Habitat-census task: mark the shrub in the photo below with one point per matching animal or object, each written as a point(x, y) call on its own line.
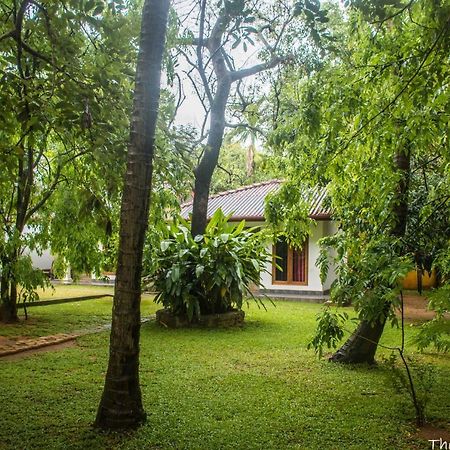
point(210, 273)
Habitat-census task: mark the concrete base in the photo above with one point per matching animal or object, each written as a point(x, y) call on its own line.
point(224, 320)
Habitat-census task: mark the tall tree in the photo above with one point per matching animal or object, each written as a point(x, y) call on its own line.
point(362, 344)
point(234, 24)
point(53, 59)
point(372, 119)
point(121, 404)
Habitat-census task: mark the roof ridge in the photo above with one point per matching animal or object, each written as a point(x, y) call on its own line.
point(239, 189)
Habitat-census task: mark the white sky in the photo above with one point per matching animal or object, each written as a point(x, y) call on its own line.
point(191, 111)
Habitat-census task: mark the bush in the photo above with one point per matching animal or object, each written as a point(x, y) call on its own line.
point(211, 273)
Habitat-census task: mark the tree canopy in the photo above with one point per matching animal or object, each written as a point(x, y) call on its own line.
point(66, 71)
point(381, 92)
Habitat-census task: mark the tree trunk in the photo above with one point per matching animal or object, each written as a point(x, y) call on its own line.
point(250, 161)
point(8, 293)
point(121, 404)
point(225, 77)
point(362, 345)
point(8, 306)
point(208, 163)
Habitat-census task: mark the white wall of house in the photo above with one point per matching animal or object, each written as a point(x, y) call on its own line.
point(320, 229)
point(330, 227)
point(43, 261)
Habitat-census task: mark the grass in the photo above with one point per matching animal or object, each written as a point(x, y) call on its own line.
point(251, 388)
point(68, 317)
point(73, 290)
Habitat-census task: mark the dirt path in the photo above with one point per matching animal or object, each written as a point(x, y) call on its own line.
point(34, 351)
point(415, 307)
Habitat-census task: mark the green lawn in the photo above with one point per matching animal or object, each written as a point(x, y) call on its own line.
point(251, 388)
point(73, 290)
point(69, 317)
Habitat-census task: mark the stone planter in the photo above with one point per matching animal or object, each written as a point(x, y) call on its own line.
point(224, 320)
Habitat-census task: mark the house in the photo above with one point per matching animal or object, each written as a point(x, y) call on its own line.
point(299, 277)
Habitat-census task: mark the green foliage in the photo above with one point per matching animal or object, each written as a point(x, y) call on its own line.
point(28, 279)
point(66, 77)
point(329, 331)
point(210, 273)
point(436, 332)
point(369, 271)
point(315, 18)
point(239, 166)
point(382, 92)
point(287, 212)
point(67, 96)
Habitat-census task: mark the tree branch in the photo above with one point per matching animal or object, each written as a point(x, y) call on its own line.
point(244, 73)
point(46, 195)
point(9, 34)
point(246, 126)
point(200, 45)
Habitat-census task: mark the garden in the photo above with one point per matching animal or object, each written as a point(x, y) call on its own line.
point(251, 387)
point(173, 172)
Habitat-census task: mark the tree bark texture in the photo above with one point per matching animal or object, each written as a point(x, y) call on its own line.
point(218, 102)
point(205, 169)
point(8, 295)
point(362, 345)
point(121, 404)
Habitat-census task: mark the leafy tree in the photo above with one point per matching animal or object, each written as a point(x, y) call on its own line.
point(121, 403)
point(223, 28)
point(64, 86)
point(239, 166)
point(374, 130)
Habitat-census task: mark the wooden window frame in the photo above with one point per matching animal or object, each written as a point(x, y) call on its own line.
point(290, 266)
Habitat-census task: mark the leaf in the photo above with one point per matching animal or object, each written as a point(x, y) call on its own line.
point(175, 273)
point(89, 5)
point(98, 10)
point(199, 270)
point(236, 43)
point(164, 245)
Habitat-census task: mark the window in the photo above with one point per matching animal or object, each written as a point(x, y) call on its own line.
point(292, 264)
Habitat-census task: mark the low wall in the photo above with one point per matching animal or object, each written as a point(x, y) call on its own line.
point(224, 320)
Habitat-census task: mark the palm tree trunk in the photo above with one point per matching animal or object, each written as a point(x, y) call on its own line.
point(362, 345)
point(121, 404)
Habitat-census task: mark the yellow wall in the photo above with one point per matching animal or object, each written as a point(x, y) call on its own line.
point(410, 281)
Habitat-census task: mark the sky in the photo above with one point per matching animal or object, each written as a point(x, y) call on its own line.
point(191, 111)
